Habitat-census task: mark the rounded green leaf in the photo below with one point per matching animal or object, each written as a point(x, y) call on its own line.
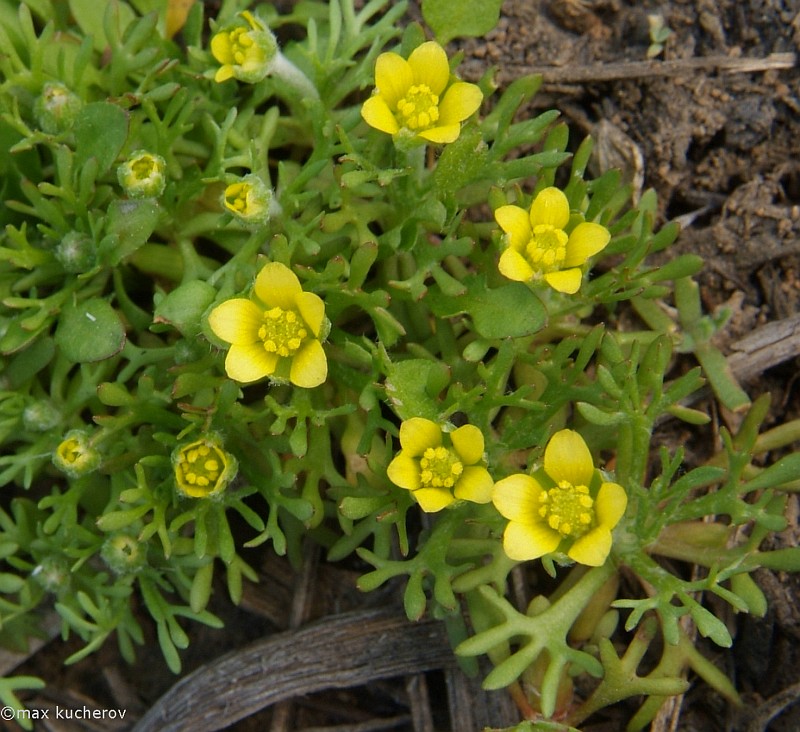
point(450, 19)
point(101, 129)
point(183, 308)
point(510, 311)
point(89, 331)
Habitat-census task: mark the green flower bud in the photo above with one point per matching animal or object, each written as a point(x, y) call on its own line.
point(41, 416)
point(143, 175)
point(76, 253)
point(123, 554)
point(75, 456)
point(56, 108)
point(51, 574)
point(202, 468)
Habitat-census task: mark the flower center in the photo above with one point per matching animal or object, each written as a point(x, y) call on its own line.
point(419, 108)
point(282, 331)
point(144, 167)
point(241, 43)
point(439, 468)
point(200, 464)
point(568, 509)
point(236, 197)
point(547, 248)
point(70, 451)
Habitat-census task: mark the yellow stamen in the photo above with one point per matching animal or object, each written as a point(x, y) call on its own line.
point(567, 509)
point(419, 109)
point(282, 331)
point(439, 468)
point(547, 248)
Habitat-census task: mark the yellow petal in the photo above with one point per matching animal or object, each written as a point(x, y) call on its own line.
point(432, 500)
point(441, 135)
point(404, 471)
point(610, 504)
point(529, 541)
point(248, 363)
point(376, 113)
point(514, 266)
point(475, 484)
point(592, 548)
point(586, 240)
point(221, 48)
point(309, 365)
point(566, 457)
point(515, 221)
point(312, 310)
point(517, 498)
point(236, 321)
point(550, 207)
point(177, 13)
point(277, 285)
point(393, 78)
point(567, 281)
point(418, 434)
point(428, 63)
point(460, 101)
point(223, 73)
point(468, 442)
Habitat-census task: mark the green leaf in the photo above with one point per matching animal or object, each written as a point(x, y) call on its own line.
point(450, 19)
point(89, 331)
point(358, 507)
point(183, 308)
point(91, 19)
point(407, 388)
point(783, 471)
point(100, 129)
point(200, 592)
point(10, 583)
point(461, 162)
point(508, 311)
point(597, 416)
point(131, 222)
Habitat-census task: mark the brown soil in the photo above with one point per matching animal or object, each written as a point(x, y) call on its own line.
point(712, 125)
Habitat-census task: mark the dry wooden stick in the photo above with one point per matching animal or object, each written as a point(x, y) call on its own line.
point(766, 346)
point(615, 71)
point(338, 652)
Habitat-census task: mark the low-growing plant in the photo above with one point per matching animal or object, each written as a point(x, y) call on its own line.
point(291, 273)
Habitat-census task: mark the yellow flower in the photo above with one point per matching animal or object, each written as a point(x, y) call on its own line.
point(415, 100)
point(75, 455)
point(539, 248)
point(203, 468)
point(561, 509)
point(246, 55)
point(276, 332)
point(143, 175)
point(249, 199)
point(440, 468)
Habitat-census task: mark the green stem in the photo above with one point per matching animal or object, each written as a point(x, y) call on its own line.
point(285, 70)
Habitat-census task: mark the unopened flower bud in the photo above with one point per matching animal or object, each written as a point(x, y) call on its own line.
point(123, 553)
point(76, 253)
point(143, 175)
point(56, 108)
point(40, 416)
point(51, 574)
point(203, 468)
point(75, 456)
